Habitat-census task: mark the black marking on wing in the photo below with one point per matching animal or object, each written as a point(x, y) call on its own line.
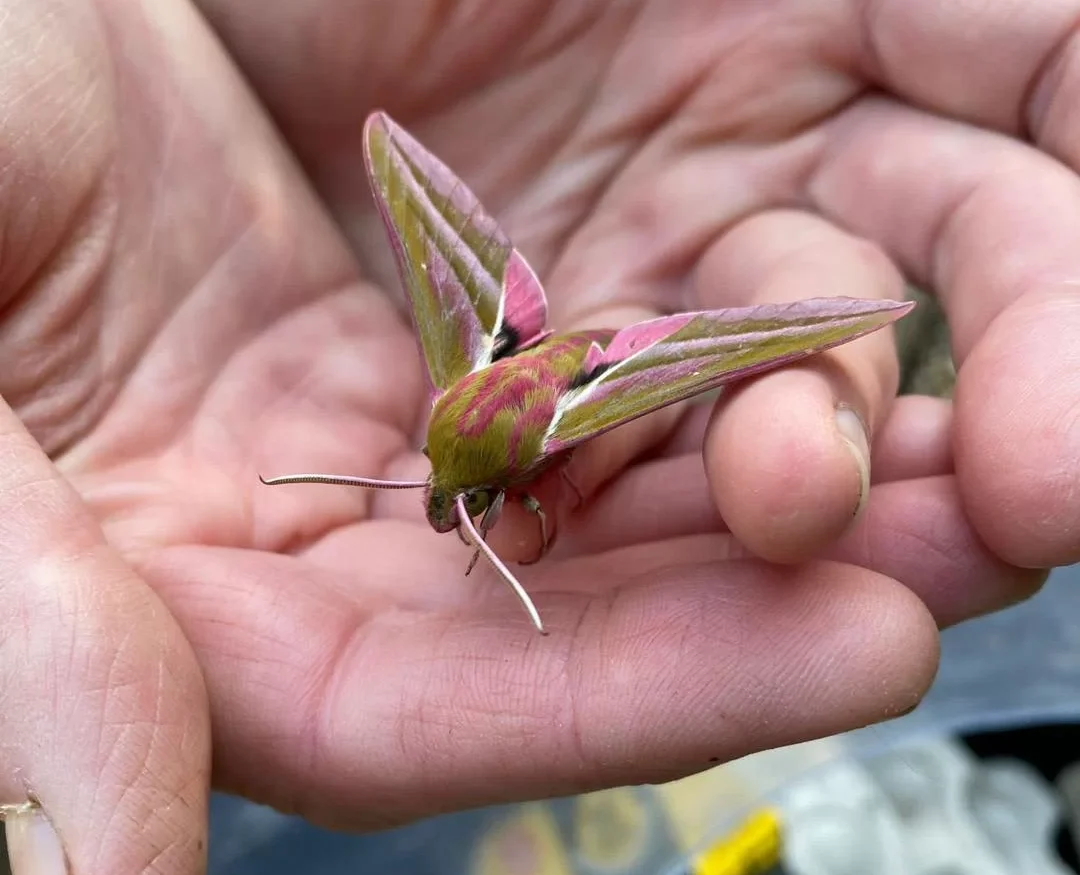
point(583, 378)
point(507, 342)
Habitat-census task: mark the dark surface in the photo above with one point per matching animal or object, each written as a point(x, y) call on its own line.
point(1049, 749)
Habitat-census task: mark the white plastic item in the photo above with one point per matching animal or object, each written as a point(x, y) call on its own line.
point(839, 822)
point(1068, 784)
point(927, 810)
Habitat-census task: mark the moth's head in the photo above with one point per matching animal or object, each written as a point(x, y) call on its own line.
point(442, 511)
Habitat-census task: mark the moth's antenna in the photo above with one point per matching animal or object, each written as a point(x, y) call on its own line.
point(344, 480)
point(504, 572)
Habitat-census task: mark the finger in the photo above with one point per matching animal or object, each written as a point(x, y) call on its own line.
point(105, 722)
point(915, 441)
point(991, 225)
point(918, 532)
point(1018, 436)
point(689, 436)
point(664, 497)
point(980, 62)
point(788, 453)
point(915, 531)
point(652, 501)
point(524, 535)
point(667, 497)
point(367, 721)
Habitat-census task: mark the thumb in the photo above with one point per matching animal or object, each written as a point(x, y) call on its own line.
point(104, 730)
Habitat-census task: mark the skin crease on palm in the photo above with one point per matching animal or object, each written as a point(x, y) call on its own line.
point(195, 291)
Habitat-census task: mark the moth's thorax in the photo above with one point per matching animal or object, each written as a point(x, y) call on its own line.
point(488, 429)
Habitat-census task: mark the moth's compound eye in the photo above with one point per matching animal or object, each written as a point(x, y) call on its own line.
point(476, 503)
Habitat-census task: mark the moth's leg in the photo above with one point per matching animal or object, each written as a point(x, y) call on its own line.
point(487, 523)
point(472, 562)
point(569, 482)
point(533, 506)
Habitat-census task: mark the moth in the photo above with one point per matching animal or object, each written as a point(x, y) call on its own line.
point(509, 399)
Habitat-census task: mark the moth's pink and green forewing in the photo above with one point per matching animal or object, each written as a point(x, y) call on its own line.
point(673, 358)
point(471, 294)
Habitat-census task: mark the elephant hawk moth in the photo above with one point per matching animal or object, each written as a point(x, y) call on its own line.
point(510, 400)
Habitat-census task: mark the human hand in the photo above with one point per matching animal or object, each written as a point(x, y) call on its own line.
point(183, 315)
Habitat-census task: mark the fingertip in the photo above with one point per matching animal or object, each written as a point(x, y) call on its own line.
point(846, 648)
point(1017, 433)
point(918, 532)
point(525, 535)
point(903, 646)
point(788, 467)
point(915, 441)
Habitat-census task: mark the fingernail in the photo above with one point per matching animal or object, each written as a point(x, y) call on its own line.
point(33, 846)
point(853, 433)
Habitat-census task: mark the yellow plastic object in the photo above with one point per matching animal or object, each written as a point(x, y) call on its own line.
point(752, 848)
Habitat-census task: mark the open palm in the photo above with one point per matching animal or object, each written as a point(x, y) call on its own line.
point(196, 294)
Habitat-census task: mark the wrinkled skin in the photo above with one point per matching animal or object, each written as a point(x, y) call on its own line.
point(195, 291)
